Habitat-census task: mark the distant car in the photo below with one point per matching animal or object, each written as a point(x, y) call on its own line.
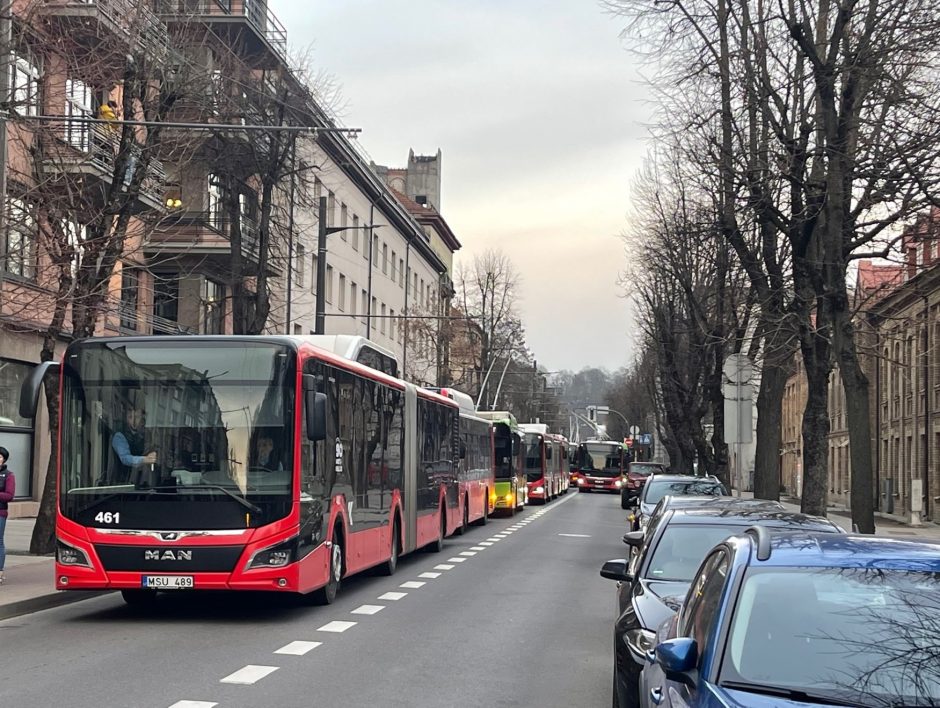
point(637, 475)
point(658, 486)
point(791, 619)
point(654, 582)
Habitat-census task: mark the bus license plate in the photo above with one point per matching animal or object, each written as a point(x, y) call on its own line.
point(167, 582)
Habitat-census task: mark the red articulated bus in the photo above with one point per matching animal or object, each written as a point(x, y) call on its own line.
point(243, 463)
point(546, 477)
point(476, 478)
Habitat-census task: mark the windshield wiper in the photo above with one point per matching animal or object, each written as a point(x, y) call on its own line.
point(241, 500)
point(796, 694)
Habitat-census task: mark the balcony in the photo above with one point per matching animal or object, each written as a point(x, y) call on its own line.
point(266, 35)
point(84, 155)
point(205, 235)
point(98, 25)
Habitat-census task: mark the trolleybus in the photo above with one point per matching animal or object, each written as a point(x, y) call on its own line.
point(602, 466)
point(511, 491)
point(242, 463)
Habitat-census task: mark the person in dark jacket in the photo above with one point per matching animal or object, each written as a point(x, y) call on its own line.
point(7, 492)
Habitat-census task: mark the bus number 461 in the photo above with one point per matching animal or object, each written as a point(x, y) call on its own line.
point(108, 517)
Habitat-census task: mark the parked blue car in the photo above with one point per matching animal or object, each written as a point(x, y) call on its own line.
point(800, 619)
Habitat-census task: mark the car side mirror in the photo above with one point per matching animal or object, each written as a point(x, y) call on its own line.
point(616, 570)
point(633, 538)
point(678, 659)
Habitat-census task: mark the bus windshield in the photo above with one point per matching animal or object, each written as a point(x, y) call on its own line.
point(180, 437)
point(602, 459)
point(533, 457)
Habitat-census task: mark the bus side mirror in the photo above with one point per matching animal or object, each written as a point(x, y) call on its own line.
point(29, 391)
point(314, 410)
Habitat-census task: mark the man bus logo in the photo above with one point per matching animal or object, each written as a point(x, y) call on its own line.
point(168, 555)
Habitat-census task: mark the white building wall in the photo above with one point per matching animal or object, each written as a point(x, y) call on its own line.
point(348, 268)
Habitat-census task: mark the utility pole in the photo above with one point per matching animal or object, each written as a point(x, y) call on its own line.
point(290, 231)
point(6, 61)
point(321, 268)
point(369, 287)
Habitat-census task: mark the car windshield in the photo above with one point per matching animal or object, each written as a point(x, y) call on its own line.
point(600, 459)
point(681, 549)
point(867, 636)
point(639, 468)
point(159, 436)
point(655, 490)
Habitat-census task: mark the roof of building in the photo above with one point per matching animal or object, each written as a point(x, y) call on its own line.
point(427, 214)
point(876, 277)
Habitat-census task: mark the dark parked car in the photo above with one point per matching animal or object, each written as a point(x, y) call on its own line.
point(637, 475)
point(677, 485)
point(794, 619)
point(654, 582)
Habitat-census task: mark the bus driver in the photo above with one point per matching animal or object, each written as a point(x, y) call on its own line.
point(129, 448)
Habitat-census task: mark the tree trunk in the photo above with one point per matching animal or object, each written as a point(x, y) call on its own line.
point(43, 538)
point(858, 417)
point(816, 362)
point(778, 352)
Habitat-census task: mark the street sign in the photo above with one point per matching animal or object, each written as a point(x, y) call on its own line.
point(739, 412)
point(738, 369)
point(634, 430)
point(646, 439)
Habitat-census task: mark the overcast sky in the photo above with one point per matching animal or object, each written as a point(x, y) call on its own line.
point(537, 110)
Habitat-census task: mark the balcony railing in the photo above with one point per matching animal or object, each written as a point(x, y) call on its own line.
point(132, 18)
point(218, 223)
point(256, 12)
point(93, 147)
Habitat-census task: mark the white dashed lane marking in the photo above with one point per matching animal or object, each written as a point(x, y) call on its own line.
point(336, 626)
point(194, 704)
point(368, 609)
point(455, 559)
point(297, 648)
point(486, 543)
point(477, 548)
point(393, 596)
point(412, 584)
point(250, 674)
point(575, 535)
point(429, 575)
point(468, 553)
point(443, 566)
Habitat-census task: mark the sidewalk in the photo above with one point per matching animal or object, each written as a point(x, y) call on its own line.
point(29, 581)
point(883, 527)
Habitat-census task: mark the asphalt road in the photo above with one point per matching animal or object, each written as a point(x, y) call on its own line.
point(521, 619)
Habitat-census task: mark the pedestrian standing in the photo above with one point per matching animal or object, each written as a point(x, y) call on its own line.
point(7, 491)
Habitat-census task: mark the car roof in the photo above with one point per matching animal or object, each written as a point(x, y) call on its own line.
point(672, 501)
point(672, 477)
point(737, 515)
point(791, 548)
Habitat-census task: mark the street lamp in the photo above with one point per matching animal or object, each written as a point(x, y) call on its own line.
point(322, 232)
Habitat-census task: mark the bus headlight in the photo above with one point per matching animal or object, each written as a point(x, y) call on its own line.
point(539, 490)
point(276, 556)
point(68, 554)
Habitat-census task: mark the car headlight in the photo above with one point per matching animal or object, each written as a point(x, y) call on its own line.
point(68, 554)
point(618, 483)
point(640, 641)
point(580, 480)
point(276, 556)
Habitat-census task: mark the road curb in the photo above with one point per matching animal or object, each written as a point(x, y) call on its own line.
point(47, 602)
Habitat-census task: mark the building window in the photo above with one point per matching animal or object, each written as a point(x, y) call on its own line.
point(355, 232)
point(301, 262)
point(401, 272)
point(343, 220)
point(374, 309)
point(365, 305)
point(317, 191)
point(24, 84)
point(20, 242)
point(130, 288)
point(298, 329)
point(314, 263)
point(342, 293)
point(213, 301)
point(385, 258)
point(382, 321)
point(375, 251)
point(420, 293)
point(330, 209)
point(394, 257)
point(166, 295)
point(214, 191)
point(392, 324)
point(353, 291)
point(78, 104)
point(329, 283)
